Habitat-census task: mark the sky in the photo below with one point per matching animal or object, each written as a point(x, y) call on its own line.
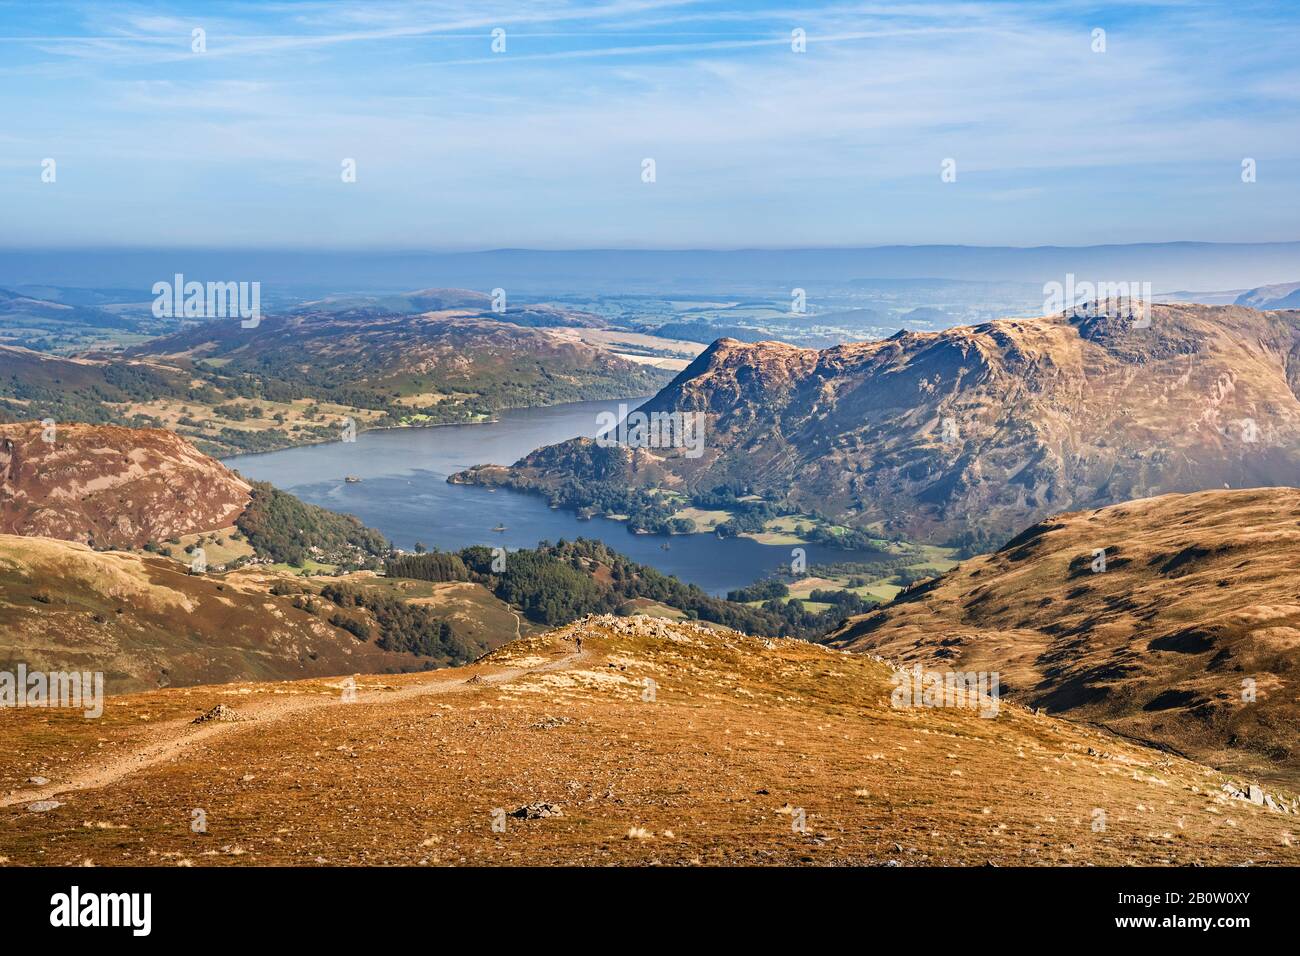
point(1050, 132)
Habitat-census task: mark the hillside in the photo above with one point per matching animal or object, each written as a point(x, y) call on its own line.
point(964, 436)
point(1197, 598)
point(397, 354)
point(655, 743)
point(146, 622)
point(301, 378)
point(556, 584)
point(111, 486)
point(405, 369)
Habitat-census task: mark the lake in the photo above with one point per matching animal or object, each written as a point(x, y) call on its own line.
point(404, 494)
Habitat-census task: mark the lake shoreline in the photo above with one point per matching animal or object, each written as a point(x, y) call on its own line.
point(405, 495)
point(494, 420)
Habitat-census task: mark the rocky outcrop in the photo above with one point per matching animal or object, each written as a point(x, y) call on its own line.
point(110, 486)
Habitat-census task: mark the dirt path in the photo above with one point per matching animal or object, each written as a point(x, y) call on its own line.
point(174, 738)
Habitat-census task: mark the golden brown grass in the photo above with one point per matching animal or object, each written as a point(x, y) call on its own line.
point(741, 735)
point(1196, 608)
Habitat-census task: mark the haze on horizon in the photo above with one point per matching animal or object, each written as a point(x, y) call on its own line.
point(542, 146)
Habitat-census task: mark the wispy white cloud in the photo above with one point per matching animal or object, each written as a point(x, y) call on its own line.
point(544, 143)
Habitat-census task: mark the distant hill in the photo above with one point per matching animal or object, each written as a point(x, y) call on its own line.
point(315, 273)
point(704, 332)
point(16, 307)
point(300, 378)
point(848, 318)
point(466, 302)
point(63, 325)
point(373, 360)
point(1284, 296)
point(927, 315)
point(1187, 634)
point(75, 295)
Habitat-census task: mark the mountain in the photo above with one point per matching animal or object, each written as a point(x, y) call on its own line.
point(1284, 296)
point(1193, 609)
point(395, 368)
point(966, 435)
point(654, 743)
point(385, 355)
point(131, 488)
point(111, 486)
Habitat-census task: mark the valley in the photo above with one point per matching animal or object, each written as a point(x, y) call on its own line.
point(193, 537)
point(602, 437)
point(404, 493)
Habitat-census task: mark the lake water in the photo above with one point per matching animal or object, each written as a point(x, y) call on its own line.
point(404, 494)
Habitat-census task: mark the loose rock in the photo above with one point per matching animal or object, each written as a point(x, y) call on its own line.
point(222, 713)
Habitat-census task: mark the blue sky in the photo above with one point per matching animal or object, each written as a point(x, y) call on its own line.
point(458, 147)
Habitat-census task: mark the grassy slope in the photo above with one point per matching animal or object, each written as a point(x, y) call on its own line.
point(1198, 596)
point(740, 733)
point(145, 622)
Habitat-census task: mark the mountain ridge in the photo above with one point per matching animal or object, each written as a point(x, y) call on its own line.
point(965, 436)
